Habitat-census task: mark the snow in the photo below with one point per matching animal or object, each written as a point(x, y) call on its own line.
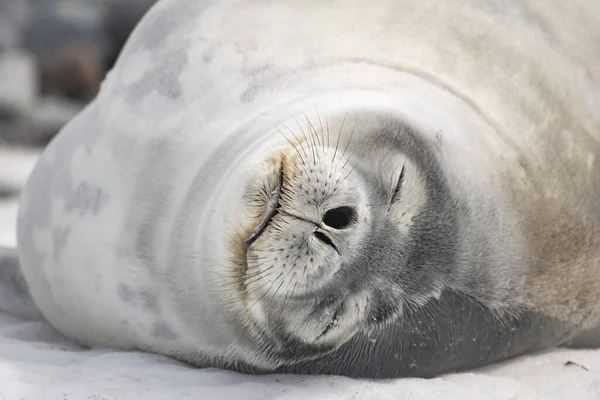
point(36, 362)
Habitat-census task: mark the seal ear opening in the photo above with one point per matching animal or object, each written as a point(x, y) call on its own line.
point(15, 298)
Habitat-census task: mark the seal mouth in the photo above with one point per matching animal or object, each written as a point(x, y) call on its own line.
point(270, 212)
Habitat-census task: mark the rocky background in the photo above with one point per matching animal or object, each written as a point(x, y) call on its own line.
point(53, 56)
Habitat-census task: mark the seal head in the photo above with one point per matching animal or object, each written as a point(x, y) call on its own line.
point(345, 231)
point(318, 270)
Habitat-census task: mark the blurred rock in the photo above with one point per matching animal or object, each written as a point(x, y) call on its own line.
point(54, 55)
point(49, 30)
point(120, 18)
point(18, 83)
point(70, 53)
point(75, 71)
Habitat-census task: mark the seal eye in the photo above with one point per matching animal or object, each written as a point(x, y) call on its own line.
point(398, 187)
point(339, 218)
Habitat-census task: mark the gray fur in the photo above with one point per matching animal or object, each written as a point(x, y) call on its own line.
point(162, 331)
point(125, 293)
point(87, 199)
point(167, 73)
point(14, 293)
point(143, 298)
point(449, 334)
point(407, 328)
point(138, 210)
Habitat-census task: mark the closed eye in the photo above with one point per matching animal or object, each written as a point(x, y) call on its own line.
point(398, 188)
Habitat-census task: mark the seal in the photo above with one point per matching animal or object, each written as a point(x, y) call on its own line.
point(328, 187)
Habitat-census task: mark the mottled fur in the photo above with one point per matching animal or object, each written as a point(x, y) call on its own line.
point(133, 228)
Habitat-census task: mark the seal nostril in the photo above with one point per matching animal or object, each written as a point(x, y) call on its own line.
point(339, 218)
point(325, 239)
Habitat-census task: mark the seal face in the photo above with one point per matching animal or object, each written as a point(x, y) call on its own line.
point(317, 267)
point(355, 253)
point(289, 194)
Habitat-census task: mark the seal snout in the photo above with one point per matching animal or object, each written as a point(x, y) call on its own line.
point(311, 216)
point(339, 218)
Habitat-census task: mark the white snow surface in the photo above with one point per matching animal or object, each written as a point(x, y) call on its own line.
point(36, 362)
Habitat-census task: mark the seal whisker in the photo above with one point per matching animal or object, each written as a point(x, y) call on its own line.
point(348, 143)
point(327, 128)
point(229, 284)
point(348, 174)
point(294, 288)
point(285, 299)
point(321, 127)
point(256, 290)
point(255, 257)
point(278, 287)
point(314, 131)
point(290, 294)
point(305, 278)
point(255, 277)
point(263, 295)
point(310, 134)
point(292, 144)
point(247, 279)
point(300, 142)
point(256, 280)
point(340, 135)
point(312, 148)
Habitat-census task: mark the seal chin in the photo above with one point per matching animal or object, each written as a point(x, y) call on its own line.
point(316, 322)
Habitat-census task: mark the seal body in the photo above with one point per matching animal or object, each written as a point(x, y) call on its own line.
point(391, 189)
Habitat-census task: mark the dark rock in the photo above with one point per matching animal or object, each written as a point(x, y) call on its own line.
point(120, 18)
point(74, 71)
point(51, 28)
point(69, 51)
point(68, 45)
